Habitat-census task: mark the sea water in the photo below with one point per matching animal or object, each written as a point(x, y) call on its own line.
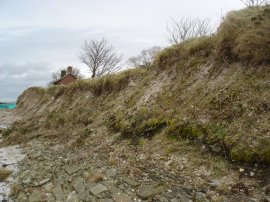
point(7, 106)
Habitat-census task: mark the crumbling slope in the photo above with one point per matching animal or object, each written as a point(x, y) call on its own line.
point(212, 90)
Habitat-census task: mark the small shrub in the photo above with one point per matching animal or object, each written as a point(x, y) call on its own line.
point(139, 125)
point(98, 178)
point(15, 190)
point(245, 35)
point(7, 132)
point(185, 129)
point(4, 174)
point(141, 142)
point(200, 46)
point(171, 149)
point(216, 132)
point(260, 151)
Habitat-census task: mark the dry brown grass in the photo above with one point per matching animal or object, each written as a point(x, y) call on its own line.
point(4, 174)
point(98, 178)
point(15, 190)
point(245, 35)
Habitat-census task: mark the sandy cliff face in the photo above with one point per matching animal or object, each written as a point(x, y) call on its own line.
point(224, 106)
point(159, 127)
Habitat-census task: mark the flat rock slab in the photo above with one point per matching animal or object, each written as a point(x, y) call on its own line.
point(98, 189)
point(58, 193)
point(73, 197)
point(72, 169)
point(48, 187)
point(79, 186)
point(121, 197)
point(184, 198)
point(35, 196)
point(43, 182)
point(111, 172)
point(131, 182)
point(105, 200)
point(147, 191)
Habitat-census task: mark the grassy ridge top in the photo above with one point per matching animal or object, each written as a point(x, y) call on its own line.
point(243, 36)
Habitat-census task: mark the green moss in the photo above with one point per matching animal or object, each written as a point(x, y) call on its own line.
point(141, 125)
point(8, 131)
point(216, 132)
point(180, 128)
point(259, 151)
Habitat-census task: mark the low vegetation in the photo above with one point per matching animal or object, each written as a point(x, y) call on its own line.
point(212, 90)
point(4, 174)
point(245, 35)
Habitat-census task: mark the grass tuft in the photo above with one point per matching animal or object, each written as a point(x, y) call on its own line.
point(245, 36)
point(4, 174)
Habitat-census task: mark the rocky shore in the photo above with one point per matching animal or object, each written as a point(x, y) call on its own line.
point(105, 168)
point(9, 157)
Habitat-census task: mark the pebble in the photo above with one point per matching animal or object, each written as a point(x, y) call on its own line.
point(241, 170)
point(130, 182)
point(111, 172)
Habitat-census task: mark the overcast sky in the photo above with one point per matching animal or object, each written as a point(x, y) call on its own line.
point(38, 37)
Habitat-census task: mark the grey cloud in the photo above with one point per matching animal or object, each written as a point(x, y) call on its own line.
point(58, 46)
point(15, 79)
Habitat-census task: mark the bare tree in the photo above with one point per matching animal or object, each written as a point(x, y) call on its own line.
point(254, 2)
point(62, 72)
point(187, 28)
point(145, 58)
point(100, 57)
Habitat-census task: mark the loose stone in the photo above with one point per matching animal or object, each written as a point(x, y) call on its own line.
point(98, 189)
point(130, 182)
point(73, 197)
point(35, 196)
point(147, 191)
